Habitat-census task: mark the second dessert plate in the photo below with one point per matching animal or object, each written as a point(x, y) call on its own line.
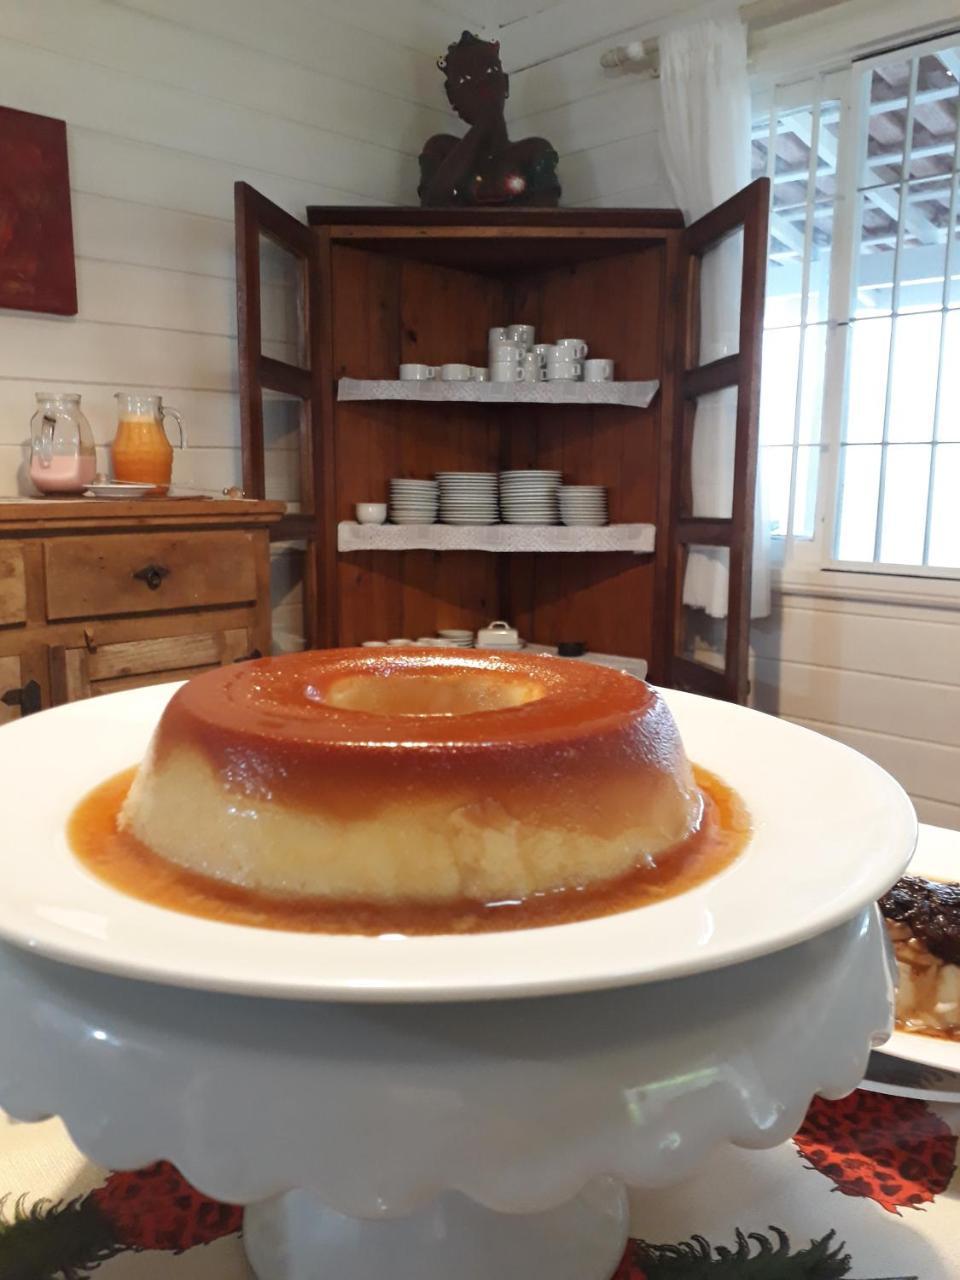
point(832, 832)
point(935, 859)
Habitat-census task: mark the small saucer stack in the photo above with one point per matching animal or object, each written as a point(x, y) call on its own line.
point(468, 497)
point(529, 497)
point(458, 636)
point(583, 504)
point(414, 501)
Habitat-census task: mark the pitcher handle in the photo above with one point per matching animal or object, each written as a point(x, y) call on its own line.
point(48, 425)
point(173, 413)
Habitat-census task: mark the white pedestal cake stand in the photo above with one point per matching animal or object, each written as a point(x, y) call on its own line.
point(485, 1141)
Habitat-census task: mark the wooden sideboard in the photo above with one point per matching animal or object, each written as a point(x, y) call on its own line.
point(101, 596)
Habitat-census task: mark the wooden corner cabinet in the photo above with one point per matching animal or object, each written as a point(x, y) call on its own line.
point(101, 596)
point(376, 287)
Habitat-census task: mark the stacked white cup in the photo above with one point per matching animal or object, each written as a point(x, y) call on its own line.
point(512, 354)
point(565, 360)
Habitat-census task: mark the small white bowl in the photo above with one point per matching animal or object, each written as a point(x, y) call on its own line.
point(399, 640)
point(371, 512)
point(373, 644)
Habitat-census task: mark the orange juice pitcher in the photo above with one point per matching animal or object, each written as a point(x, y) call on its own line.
point(141, 451)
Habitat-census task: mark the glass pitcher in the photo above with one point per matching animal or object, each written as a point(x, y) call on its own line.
point(141, 451)
point(63, 455)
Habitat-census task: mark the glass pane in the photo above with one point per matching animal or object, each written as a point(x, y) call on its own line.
point(818, 297)
point(945, 512)
point(867, 384)
point(935, 114)
point(949, 425)
point(282, 305)
point(706, 588)
point(905, 503)
point(811, 391)
point(953, 290)
point(879, 218)
point(785, 269)
point(720, 288)
point(805, 496)
point(859, 490)
point(792, 164)
point(889, 89)
point(775, 483)
point(282, 460)
point(712, 452)
point(924, 252)
point(288, 561)
point(778, 386)
point(913, 391)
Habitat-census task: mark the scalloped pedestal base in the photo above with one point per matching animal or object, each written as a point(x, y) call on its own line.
point(295, 1238)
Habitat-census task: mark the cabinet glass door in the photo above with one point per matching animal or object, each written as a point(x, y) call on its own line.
point(710, 529)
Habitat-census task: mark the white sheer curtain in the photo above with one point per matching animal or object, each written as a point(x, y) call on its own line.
point(706, 147)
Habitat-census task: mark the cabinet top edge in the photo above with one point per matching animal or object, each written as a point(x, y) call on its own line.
point(627, 219)
point(54, 515)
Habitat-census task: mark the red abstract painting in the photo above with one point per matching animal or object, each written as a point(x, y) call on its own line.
point(37, 271)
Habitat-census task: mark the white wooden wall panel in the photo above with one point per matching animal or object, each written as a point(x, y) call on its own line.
point(162, 116)
point(928, 770)
point(911, 709)
point(628, 110)
point(110, 37)
point(884, 678)
point(937, 813)
point(605, 128)
point(363, 41)
point(911, 643)
point(167, 177)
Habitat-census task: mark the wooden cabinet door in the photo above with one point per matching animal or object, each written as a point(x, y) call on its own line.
point(81, 672)
point(22, 684)
point(737, 374)
point(278, 396)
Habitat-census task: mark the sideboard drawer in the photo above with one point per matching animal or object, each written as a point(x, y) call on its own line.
point(13, 585)
point(147, 573)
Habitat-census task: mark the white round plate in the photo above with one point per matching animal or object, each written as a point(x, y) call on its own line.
point(832, 832)
point(937, 858)
point(119, 489)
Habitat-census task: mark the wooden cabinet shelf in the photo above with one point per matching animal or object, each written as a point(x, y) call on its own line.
point(637, 538)
point(634, 394)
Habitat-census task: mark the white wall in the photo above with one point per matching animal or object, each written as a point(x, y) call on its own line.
point(605, 128)
point(167, 103)
point(882, 677)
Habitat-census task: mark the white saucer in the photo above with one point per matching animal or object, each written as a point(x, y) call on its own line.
point(833, 831)
point(936, 858)
point(119, 489)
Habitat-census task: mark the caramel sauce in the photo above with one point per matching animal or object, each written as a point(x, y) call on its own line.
point(128, 865)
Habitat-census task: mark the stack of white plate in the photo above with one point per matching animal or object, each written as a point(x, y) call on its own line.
point(468, 497)
point(583, 504)
point(458, 636)
point(529, 497)
point(414, 501)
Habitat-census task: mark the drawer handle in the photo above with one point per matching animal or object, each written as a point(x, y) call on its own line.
point(249, 657)
point(27, 698)
point(152, 575)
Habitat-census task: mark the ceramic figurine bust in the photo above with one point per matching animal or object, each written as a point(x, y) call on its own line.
point(484, 167)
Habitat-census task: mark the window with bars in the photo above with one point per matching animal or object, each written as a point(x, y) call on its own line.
point(860, 408)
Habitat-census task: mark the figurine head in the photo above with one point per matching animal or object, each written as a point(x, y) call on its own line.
point(476, 82)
